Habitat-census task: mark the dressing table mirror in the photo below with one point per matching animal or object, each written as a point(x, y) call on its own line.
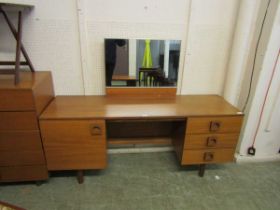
point(141, 63)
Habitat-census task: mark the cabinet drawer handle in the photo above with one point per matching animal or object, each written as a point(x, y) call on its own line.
point(215, 126)
point(208, 156)
point(95, 130)
point(211, 141)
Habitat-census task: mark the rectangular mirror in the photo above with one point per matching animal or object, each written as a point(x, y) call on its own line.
point(141, 62)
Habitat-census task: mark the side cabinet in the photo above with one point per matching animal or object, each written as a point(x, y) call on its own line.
point(210, 140)
point(21, 152)
point(74, 144)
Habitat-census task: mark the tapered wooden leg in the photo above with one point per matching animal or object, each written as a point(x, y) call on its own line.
point(80, 176)
point(18, 38)
point(201, 170)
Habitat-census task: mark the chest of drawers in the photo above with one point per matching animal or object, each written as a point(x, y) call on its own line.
point(21, 152)
point(210, 139)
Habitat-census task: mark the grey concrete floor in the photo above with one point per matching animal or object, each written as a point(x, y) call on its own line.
point(154, 181)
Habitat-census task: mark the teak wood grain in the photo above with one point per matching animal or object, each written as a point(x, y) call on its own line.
point(18, 121)
point(74, 144)
point(23, 173)
point(21, 152)
point(204, 141)
point(20, 140)
point(12, 100)
point(197, 125)
point(107, 107)
point(21, 148)
point(34, 92)
point(198, 156)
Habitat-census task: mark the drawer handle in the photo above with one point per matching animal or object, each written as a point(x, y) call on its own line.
point(95, 130)
point(215, 126)
point(211, 141)
point(208, 156)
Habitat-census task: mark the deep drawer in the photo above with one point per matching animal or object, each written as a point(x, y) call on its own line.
point(21, 148)
point(23, 173)
point(204, 141)
point(18, 121)
point(74, 144)
point(16, 100)
point(20, 140)
point(197, 125)
point(207, 156)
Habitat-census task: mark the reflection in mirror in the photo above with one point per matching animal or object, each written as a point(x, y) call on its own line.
point(141, 63)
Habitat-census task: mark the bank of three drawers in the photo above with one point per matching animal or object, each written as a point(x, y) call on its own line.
point(211, 139)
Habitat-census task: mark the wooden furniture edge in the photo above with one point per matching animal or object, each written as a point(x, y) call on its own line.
point(132, 91)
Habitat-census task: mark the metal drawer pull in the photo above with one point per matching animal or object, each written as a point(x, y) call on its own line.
point(211, 141)
point(95, 130)
point(215, 126)
point(208, 156)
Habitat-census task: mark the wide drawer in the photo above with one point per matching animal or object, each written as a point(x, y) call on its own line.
point(74, 144)
point(197, 125)
point(207, 156)
point(18, 121)
point(23, 173)
point(204, 141)
point(21, 148)
point(16, 100)
point(20, 140)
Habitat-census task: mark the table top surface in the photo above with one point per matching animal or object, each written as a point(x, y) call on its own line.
point(133, 107)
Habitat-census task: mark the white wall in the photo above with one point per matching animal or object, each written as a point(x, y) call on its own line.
point(155, 19)
point(207, 37)
point(211, 29)
point(267, 140)
point(51, 37)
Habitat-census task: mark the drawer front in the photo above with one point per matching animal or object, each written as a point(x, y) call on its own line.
point(207, 156)
point(20, 140)
point(18, 121)
point(197, 125)
point(23, 173)
point(74, 144)
point(21, 148)
point(21, 158)
point(16, 100)
point(204, 141)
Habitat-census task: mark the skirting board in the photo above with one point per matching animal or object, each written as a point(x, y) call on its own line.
point(251, 159)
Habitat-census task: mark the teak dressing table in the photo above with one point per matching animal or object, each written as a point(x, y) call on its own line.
point(76, 130)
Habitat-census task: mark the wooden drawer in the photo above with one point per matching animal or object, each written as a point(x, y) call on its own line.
point(18, 121)
point(20, 140)
point(74, 144)
point(20, 158)
point(204, 141)
point(197, 125)
point(21, 148)
point(16, 100)
point(23, 173)
point(207, 156)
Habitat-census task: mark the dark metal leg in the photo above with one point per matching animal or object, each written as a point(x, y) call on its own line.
point(201, 170)
point(80, 176)
point(19, 33)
